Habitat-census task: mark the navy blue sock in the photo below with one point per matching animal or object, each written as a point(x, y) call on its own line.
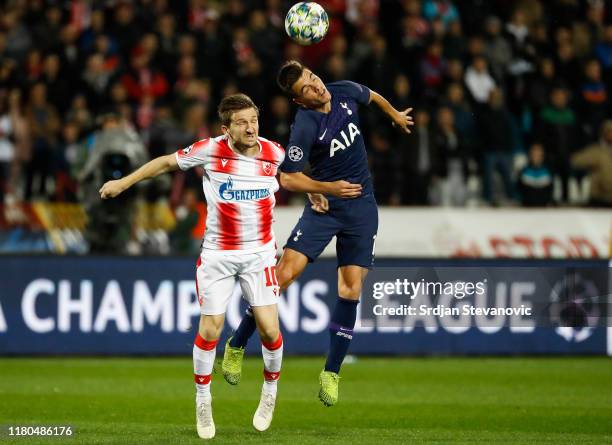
point(244, 331)
point(340, 332)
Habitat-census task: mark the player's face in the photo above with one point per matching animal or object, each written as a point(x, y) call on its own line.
point(310, 91)
point(243, 128)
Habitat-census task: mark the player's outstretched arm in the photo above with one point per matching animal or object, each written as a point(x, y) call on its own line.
point(401, 119)
point(154, 167)
point(299, 182)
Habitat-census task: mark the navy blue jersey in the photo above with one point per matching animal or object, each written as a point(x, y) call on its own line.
point(332, 142)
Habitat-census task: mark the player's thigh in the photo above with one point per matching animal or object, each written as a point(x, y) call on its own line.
point(350, 281)
point(290, 266)
point(356, 241)
point(216, 278)
point(266, 318)
point(257, 277)
point(312, 233)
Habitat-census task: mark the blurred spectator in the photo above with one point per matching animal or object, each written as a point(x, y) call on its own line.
point(384, 168)
point(464, 116)
point(523, 55)
point(517, 32)
point(7, 148)
point(58, 89)
point(96, 81)
point(568, 66)
point(168, 42)
point(18, 37)
point(417, 160)
point(64, 163)
point(454, 42)
point(20, 137)
point(541, 84)
point(265, 40)
point(47, 32)
point(450, 177)
point(497, 49)
point(535, 180)
point(142, 80)
point(378, 68)
point(440, 9)
point(479, 81)
point(603, 49)
point(44, 125)
point(71, 55)
point(94, 31)
point(277, 124)
point(495, 123)
point(125, 29)
point(432, 69)
point(597, 160)
point(454, 72)
point(187, 218)
point(593, 103)
point(557, 129)
point(33, 66)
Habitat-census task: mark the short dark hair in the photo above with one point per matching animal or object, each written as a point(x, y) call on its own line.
point(288, 74)
point(230, 104)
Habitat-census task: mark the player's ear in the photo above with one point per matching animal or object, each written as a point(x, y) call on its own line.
point(225, 130)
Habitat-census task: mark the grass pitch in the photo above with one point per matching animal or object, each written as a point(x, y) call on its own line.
point(382, 400)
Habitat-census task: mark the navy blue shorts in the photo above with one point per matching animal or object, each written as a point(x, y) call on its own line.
point(354, 223)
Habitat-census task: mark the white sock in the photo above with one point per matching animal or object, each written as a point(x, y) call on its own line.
point(204, 353)
point(273, 358)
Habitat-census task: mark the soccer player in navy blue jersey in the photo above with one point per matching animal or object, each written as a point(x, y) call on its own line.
point(326, 134)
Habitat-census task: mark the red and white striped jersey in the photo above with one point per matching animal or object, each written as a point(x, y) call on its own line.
point(239, 192)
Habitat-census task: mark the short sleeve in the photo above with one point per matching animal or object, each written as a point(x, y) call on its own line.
point(354, 90)
point(195, 154)
point(303, 134)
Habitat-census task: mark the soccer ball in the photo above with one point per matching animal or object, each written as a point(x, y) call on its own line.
point(307, 23)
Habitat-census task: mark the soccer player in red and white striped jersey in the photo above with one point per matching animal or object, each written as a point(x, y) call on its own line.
point(239, 182)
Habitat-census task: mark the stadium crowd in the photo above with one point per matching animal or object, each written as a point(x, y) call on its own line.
point(511, 98)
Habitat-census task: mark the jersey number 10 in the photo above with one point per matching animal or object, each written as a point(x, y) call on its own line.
point(270, 276)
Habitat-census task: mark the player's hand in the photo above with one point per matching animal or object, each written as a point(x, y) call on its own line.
point(403, 120)
point(344, 189)
point(319, 202)
point(111, 189)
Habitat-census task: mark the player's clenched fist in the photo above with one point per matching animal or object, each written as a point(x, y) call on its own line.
point(111, 189)
point(344, 189)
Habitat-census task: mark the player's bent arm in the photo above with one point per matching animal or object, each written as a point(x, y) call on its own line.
point(154, 167)
point(400, 118)
point(299, 182)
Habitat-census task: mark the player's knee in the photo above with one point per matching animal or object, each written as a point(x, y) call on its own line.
point(285, 276)
point(210, 329)
point(269, 334)
point(210, 333)
point(350, 291)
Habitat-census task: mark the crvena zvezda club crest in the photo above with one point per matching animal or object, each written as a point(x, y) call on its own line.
point(267, 168)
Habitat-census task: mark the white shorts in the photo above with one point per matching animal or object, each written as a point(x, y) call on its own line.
point(218, 272)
